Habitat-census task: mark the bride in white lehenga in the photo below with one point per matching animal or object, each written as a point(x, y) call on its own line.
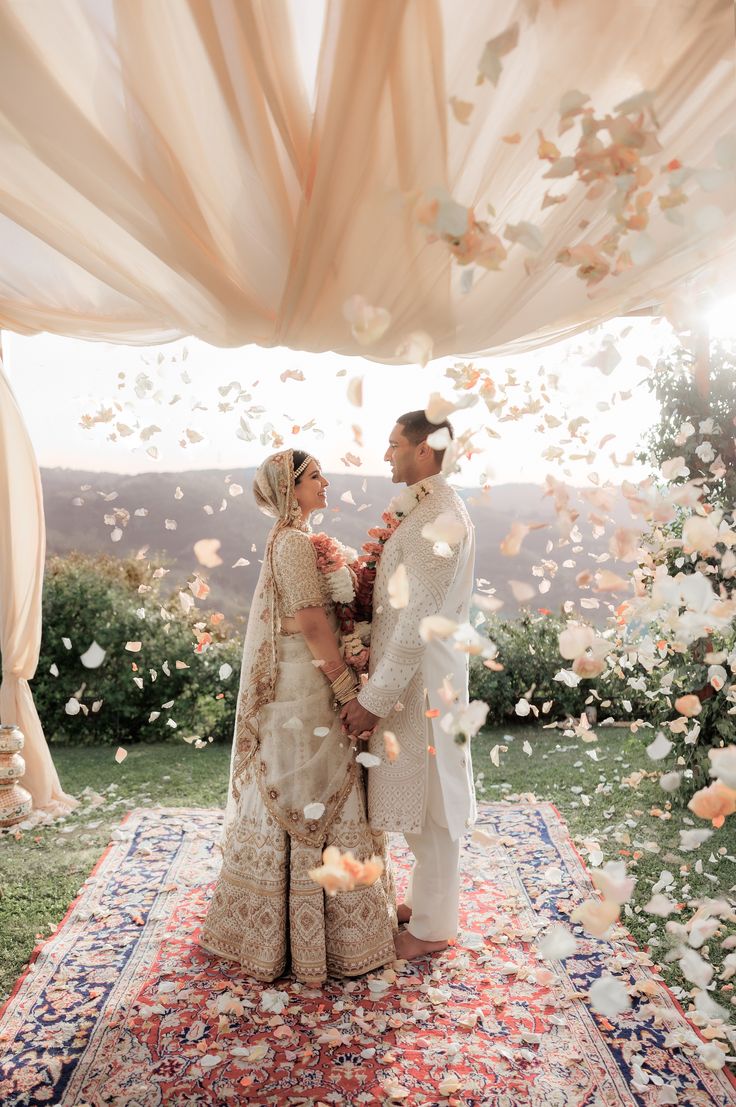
point(289, 754)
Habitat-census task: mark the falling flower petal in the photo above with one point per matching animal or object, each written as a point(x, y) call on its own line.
point(608, 996)
point(391, 745)
point(367, 323)
point(557, 944)
point(461, 109)
point(416, 348)
point(314, 811)
point(368, 760)
point(688, 705)
point(447, 527)
point(436, 626)
point(93, 657)
point(489, 66)
point(714, 803)
point(355, 392)
point(398, 588)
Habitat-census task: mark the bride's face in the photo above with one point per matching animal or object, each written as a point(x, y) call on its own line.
point(310, 489)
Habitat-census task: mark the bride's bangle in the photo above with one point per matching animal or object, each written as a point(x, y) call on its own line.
point(345, 687)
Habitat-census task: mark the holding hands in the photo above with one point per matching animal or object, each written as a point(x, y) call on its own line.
point(357, 721)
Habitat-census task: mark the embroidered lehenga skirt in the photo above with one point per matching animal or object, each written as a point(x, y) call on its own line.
point(266, 912)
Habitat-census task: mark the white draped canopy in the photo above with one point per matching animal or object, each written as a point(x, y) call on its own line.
point(238, 170)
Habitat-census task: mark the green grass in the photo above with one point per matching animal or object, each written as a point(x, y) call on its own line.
point(42, 869)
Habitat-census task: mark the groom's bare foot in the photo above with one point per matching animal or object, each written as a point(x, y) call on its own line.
point(403, 913)
point(408, 948)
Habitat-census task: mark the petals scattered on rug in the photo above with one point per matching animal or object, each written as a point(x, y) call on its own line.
point(122, 1007)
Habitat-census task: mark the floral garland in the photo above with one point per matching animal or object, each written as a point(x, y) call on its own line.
point(351, 581)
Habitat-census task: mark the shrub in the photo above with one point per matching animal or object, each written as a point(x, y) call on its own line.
point(113, 602)
point(528, 650)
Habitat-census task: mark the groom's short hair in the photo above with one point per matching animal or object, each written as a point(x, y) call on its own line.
point(417, 428)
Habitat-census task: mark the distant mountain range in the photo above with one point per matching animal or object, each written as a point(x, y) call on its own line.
point(178, 509)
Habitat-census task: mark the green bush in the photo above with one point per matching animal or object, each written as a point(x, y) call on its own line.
point(113, 602)
point(529, 651)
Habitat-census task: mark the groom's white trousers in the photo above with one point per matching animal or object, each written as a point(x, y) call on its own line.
point(433, 891)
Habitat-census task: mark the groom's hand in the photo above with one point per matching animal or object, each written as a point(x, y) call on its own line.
point(357, 720)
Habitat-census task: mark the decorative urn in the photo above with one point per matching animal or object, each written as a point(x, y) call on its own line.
point(15, 800)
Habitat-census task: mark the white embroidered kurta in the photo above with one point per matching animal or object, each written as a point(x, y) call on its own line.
point(405, 670)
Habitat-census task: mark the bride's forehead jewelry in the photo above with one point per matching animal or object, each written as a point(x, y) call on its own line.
point(302, 467)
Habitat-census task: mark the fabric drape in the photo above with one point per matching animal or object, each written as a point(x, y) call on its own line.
point(182, 167)
point(22, 549)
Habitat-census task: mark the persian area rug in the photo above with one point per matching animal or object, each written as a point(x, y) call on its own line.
point(122, 1007)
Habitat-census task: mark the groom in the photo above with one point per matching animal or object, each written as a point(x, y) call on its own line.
point(427, 791)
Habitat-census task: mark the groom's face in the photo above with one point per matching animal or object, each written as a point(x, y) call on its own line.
point(401, 456)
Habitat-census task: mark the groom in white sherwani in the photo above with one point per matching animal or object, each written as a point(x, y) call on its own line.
point(427, 791)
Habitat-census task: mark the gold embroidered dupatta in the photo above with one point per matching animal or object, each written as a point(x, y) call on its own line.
point(294, 771)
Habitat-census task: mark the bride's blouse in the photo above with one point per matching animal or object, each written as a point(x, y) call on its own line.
point(299, 583)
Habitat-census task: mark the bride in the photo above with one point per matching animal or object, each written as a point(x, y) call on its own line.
point(295, 786)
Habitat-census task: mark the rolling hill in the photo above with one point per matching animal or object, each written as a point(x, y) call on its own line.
point(162, 515)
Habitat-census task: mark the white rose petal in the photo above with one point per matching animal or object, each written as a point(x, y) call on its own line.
point(557, 944)
point(693, 839)
point(368, 760)
point(93, 657)
point(723, 765)
point(659, 748)
point(314, 811)
point(436, 626)
point(695, 969)
point(447, 527)
point(398, 588)
point(608, 996)
point(522, 707)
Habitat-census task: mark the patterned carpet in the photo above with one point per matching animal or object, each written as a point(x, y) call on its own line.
point(121, 1007)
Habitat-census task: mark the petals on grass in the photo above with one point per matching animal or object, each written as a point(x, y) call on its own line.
point(120, 754)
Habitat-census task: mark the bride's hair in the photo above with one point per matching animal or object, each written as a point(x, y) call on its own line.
point(299, 457)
